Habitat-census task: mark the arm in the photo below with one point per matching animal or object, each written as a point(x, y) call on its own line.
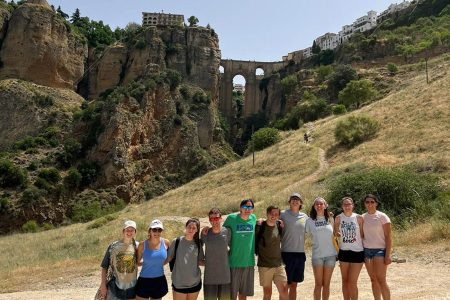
point(361, 225)
point(140, 252)
point(388, 239)
point(103, 287)
point(336, 227)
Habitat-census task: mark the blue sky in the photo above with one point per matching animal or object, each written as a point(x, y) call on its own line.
point(261, 30)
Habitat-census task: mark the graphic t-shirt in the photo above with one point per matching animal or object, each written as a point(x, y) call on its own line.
point(217, 268)
point(242, 252)
point(350, 233)
point(321, 232)
point(373, 230)
point(293, 239)
point(122, 258)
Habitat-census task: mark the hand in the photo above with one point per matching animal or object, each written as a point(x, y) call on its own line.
point(260, 221)
point(337, 234)
point(205, 230)
point(387, 260)
point(281, 223)
point(103, 291)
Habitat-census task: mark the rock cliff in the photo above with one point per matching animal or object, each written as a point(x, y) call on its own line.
point(39, 47)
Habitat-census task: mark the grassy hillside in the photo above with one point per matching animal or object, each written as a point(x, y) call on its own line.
point(414, 130)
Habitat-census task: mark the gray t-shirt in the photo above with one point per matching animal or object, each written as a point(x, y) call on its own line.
point(293, 239)
point(186, 272)
point(217, 269)
point(321, 232)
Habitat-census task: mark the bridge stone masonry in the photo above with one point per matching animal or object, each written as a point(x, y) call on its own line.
point(254, 97)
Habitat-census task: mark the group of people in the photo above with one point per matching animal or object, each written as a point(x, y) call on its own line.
point(227, 251)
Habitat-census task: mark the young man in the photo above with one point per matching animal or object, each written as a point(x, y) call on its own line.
point(293, 243)
point(217, 279)
point(242, 254)
point(270, 266)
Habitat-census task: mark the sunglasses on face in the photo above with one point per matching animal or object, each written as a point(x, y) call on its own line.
point(157, 230)
point(215, 219)
point(247, 207)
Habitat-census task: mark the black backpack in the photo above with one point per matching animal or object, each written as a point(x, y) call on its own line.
point(260, 235)
point(172, 261)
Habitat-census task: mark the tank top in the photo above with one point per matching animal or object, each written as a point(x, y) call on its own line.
point(153, 261)
point(350, 234)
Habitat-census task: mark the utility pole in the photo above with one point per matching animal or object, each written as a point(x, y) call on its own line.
point(426, 68)
point(253, 145)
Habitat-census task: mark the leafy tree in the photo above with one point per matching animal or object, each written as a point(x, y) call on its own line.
point(340, 77)
point(73, 179)
point(288, 84)
point(326, 57)
point(11, 175)
point(264, 138)
point(357, 92)
point(315, 49)
point(193, 21)
point(61, 13)
point(75, 18)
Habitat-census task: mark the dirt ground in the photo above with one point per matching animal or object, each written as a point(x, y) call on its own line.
point(425, 275)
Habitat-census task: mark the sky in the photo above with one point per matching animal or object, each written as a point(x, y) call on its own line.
point(260, 30)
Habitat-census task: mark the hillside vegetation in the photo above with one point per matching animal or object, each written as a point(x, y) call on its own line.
point(414, 126)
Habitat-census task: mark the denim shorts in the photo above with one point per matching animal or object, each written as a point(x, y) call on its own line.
point(328, 262)
point(371, 253)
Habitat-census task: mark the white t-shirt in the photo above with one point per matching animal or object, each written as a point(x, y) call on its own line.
point(350, 233)
point(321, 232)
point(373, 230)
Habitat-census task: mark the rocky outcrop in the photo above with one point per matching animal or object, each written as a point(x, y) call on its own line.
point(29, 108)
point(38, 47)
point(4, 19)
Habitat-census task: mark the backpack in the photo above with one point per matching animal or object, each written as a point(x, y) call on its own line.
point(260, 235)
point(172, 261)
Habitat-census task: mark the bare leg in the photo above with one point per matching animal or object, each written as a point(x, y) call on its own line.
point(267, 292)
point(179, 296)
point(292, 290)
point(242, 297)
point(192, 296)
point(380, 269)
point(353, 274)
point(282, 290)
point(318, 280)
point(327, 273)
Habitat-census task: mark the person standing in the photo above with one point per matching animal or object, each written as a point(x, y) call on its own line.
point(349, 227)
point(186, 274)
point(377, 247)
point(270, 265)
point(242, 252)
point(216, 285)
point(121, 257)
point(320, 227)
point(293, 243)
point(152, 283)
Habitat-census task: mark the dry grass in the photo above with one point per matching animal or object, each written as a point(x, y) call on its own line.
point(414, 129)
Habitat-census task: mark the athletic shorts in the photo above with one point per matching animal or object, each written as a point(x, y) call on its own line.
point(217, 291)
point(327, 262)
point(190, 290)
point(349, 256)
point(295, 266)
point(371, 253)
point(269, 275)
point(151, 287)
point(242, 281)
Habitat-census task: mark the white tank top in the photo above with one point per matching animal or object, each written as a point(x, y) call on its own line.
point(350, 234)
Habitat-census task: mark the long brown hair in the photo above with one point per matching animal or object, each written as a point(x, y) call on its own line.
point(197, 234)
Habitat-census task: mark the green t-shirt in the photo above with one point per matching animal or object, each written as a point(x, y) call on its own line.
point(242, 252)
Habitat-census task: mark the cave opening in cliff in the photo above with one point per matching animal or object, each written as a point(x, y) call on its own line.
point(239, 95)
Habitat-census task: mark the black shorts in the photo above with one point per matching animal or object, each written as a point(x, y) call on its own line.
point(295, 266)
point(351, 256)
point(152, 287)
point(190, 290)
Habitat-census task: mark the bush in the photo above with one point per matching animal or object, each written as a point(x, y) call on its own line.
point(340, 77)
point(89, 172)
point(357, 92)
point(264, 138)
point(338, 109)
point(322, 73)
point(355, 129)
point(43, 100)
point(11, 175)
point(5, 203)
point(288, 84)
point(25, 144)
point(201, 97)
point(51, 175)
point(174, 78)
point(30, 226)
point(43, 184)
point(84, 212)
point(73, 179)
point(32, 195)
point(312, 109)
point(404, 195)
point(392, 69)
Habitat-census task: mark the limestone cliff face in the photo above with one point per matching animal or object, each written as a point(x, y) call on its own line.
point(4, 18)
point(38, 47)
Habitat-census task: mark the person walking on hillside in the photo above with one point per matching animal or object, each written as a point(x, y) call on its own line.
point(306, 138)
point(121, 258)
point(349, 227)
point(320, 227)
point(293, 243)
point(187, 253)
point(242, 252)
point(152, 283)
point(217, 278)
point(267, 245)
point(377, 247)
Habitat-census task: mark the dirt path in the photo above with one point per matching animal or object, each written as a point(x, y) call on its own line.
point(414, 279)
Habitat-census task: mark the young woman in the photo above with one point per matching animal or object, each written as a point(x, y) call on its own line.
point(377, 247)
point(120, 257)
point(186, 274)
point(320, 227)
point(349, 227)
point(152, 283)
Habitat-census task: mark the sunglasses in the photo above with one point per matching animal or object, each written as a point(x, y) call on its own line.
point(157, 230)
point(247, 207)
point(369, 201)
point(215, 219)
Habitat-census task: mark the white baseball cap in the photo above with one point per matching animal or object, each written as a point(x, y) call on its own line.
point(156, 224)
point(129, 223)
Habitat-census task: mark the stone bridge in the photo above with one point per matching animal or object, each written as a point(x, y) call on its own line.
point(253, 95)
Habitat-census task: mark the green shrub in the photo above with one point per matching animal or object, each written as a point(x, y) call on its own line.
point(338, 109)
point(11, 175)
point(51, 175)
point(140, 44)
point(30, 226)
point(405, 196)
point(322, 73)
point(73, 179)
point(340, 77)
point(312, 109)
point(26, 143)
point(442, 205)
point(5, 203)
point(84, 212)
point(288, 84)
point(47, 226)
point(89, 172)
point(264, 138)
point(43, 184)
point(392, 68)
point(174, 78)
point(357, 92)
point(201, 97)
point(32, 195)
point(355, 130)
point(43, 100)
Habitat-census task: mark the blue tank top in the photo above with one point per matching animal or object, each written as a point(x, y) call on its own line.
point(153, 261)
